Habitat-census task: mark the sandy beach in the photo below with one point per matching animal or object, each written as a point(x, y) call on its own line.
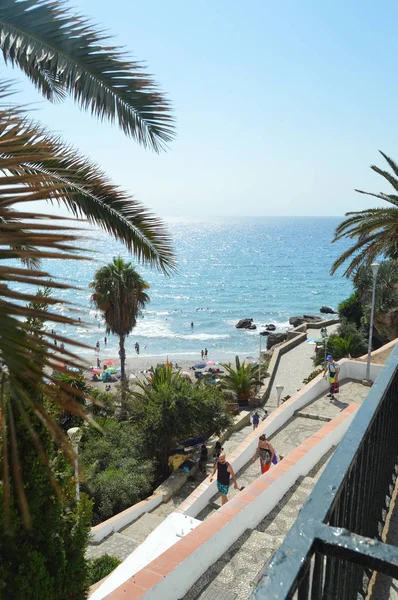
point(136, 366)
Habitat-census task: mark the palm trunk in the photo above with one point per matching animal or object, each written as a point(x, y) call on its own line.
point(122, 355)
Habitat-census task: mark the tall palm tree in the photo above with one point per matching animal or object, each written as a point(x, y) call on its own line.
point(241, 381)
point(374, 229)
point(120, 292)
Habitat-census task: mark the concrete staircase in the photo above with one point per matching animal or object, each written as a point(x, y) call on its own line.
point(237, 572)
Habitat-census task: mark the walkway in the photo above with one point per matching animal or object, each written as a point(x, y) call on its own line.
point(237, 571)
point(295, 366)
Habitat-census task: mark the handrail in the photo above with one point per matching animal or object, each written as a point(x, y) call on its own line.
point(322, 556)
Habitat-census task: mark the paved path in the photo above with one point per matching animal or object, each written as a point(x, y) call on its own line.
point(238, 569)
point(295, 366)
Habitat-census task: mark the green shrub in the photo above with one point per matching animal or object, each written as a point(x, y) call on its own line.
point(312, 375)
point(46, 561)
point(117, 473)
point(100, 567)
point(351, 309)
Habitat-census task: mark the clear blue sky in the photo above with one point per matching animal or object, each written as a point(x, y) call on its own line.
point(280, 106)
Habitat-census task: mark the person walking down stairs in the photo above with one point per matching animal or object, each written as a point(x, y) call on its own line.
point(266, 453)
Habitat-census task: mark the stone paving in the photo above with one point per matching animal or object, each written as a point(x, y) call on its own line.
point(239, 567)
point(294, 366)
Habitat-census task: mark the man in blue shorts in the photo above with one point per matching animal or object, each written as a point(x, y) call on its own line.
point(224, 473)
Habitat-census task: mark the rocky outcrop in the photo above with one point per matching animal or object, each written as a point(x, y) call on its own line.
point(270, 327)
point(245, 324)
point(296, 321)
point(327, 310)
point(265, 332)
point(275, 338)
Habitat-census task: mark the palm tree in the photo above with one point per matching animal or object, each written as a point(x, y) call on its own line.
point(119, 291)
point(374, 229)
point(241, 381)
point(62, 54)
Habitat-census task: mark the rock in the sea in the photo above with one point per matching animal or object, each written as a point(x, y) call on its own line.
point(265, 332)
point(312, 319)
point(275, 338)
point(271, 327)
point(296, 321)
point(245, 324)
point(327, 310)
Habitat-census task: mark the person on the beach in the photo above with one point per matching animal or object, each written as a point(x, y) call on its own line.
point(203, 459)
point(224, 474)
point(266, 453)
point(191, 324)
point(97, 347)
point(255, 420)
point(202, 354)
point(105, 340)
point(332, 370)
point(62, 347)
point(206, 353)
point(98, 363)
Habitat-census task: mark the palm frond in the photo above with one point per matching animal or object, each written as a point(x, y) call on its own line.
point(29, 156)
point(64, 53)
point(375, 229)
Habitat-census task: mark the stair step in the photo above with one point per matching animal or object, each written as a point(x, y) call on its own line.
point(316, 417)
point(142, 527)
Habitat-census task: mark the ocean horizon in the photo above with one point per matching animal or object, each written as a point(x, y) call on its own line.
point(265, 268)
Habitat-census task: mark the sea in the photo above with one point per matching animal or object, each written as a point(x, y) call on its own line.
point(264, 268)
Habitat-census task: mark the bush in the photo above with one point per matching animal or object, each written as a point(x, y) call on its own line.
point(100, 567)
point(48, 560)
point(312, 375)
point(117, 473)
point(170, 408)
point(351, 309)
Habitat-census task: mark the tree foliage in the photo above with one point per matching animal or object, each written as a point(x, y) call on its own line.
point(169, 408)
point(48, 559)
point(120, 292)
point(116, 472)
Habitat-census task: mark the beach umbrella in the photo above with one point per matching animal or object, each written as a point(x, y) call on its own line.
point(95, 370)
point(60, 365)
point(111, 370)
point(73, 369)
point(109, 362)
point(200, 365)
point(186, 374)
point(210, 362)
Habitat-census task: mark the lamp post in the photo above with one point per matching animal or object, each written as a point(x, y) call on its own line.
point(259, 362)
point(324, 334)
point(279, 390)
point(75, 435)
point(375, 270)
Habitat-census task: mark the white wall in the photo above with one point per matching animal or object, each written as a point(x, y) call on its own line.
point(180, 580)
point(122, 519)
point(168, 533)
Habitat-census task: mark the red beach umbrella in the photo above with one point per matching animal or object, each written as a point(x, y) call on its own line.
point(109, 362)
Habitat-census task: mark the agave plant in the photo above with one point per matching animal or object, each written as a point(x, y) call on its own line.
point(241, 381)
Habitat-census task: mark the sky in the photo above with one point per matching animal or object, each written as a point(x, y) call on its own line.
point(280, 107)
